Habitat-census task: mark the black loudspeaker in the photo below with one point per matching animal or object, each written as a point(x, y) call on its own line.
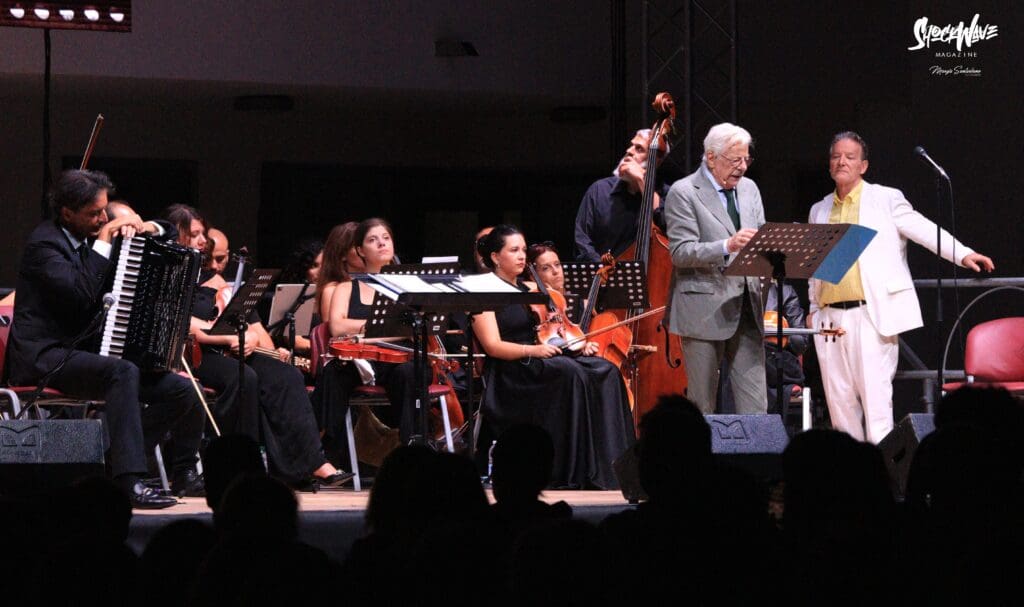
point(899, 446)
point(750, 442)
point(36, 455)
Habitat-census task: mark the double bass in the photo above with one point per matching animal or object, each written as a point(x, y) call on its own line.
point(655, 362)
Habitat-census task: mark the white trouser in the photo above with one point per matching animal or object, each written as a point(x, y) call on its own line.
point(857, 371)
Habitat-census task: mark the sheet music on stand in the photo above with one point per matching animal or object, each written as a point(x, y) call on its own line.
point(388, 318)
point(426, 301)
point(244, 301)
point(626, 287)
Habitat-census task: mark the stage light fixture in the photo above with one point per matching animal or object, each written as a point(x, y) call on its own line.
point(110, 16)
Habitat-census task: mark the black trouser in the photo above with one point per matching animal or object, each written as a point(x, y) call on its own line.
point(335, 384)
point(278, 391)
point(171, 406)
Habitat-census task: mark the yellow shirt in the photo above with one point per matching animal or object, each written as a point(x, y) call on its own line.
point(846, 210)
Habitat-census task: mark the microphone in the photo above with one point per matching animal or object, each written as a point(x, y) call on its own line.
point(108, 301)
point(935, 166)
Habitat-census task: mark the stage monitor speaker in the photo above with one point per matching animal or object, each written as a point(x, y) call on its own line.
point(38, 455)
point(627, 472)
point(750, 442)
point(899, 446)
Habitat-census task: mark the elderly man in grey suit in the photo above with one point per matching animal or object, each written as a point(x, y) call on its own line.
point(710, 216)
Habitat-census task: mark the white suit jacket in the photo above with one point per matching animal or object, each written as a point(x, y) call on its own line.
point(889, 291)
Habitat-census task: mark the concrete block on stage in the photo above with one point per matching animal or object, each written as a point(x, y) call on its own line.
point(37, 455)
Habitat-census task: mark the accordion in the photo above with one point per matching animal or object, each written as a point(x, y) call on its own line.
point(152, 288)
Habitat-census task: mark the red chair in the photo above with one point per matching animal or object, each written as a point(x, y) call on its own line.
point(14, 393)
point(368, 395)
point(994, 356)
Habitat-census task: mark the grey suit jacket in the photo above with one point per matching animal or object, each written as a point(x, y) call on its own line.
point(705, 303)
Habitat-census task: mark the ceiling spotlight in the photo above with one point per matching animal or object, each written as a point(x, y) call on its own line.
point(107, 16)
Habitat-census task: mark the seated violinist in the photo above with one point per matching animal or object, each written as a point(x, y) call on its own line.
point(274, 394)
point(339, 259)
point(347, 314)
point(545, 260)
point(580, 401)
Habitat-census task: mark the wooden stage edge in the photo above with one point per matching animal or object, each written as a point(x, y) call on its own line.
point(352, 501)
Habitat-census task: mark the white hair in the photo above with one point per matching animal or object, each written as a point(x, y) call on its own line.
point(725, 135)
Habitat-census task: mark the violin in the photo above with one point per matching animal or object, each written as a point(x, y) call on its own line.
point(441, 367)
point(348, 349)
point(771, 328)
point(554, 327)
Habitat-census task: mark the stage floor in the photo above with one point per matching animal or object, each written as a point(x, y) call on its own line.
point(333, 519)
point(347, 501)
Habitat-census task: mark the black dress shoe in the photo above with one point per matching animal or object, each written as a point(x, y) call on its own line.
point(337, 479)
point(186, 483)
point(144, 498)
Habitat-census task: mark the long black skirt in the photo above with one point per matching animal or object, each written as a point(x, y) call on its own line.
point(274, 401)
point(582, 404)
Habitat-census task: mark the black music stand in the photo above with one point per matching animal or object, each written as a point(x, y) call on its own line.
point(626, 287)
point(824, 251)
point(288, 318)
point(423, 306)
point(234, 318)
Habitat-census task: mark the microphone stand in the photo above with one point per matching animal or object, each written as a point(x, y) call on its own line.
point(44, 381)
point(940, 175)
point(938, 277)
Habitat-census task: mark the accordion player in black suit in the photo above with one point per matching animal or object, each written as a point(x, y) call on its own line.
point(60, 283)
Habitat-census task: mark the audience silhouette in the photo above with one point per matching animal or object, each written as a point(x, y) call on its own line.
point(703, 537)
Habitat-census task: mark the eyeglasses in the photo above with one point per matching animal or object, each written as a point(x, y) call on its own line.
point(736, 161)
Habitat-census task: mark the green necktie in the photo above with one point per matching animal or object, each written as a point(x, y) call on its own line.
point(734, 214)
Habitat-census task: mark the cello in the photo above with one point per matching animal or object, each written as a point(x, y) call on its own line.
point(614, 344)
point(655, 363)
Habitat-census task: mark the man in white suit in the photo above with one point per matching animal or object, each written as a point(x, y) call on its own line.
point(875, 301)
point(711, 215)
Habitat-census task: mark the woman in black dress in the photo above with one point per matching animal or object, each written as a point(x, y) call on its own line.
point(581, 401)
point(272, 387)
point(347, 314)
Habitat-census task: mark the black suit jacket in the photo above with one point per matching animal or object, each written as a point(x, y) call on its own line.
point(58, 295)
